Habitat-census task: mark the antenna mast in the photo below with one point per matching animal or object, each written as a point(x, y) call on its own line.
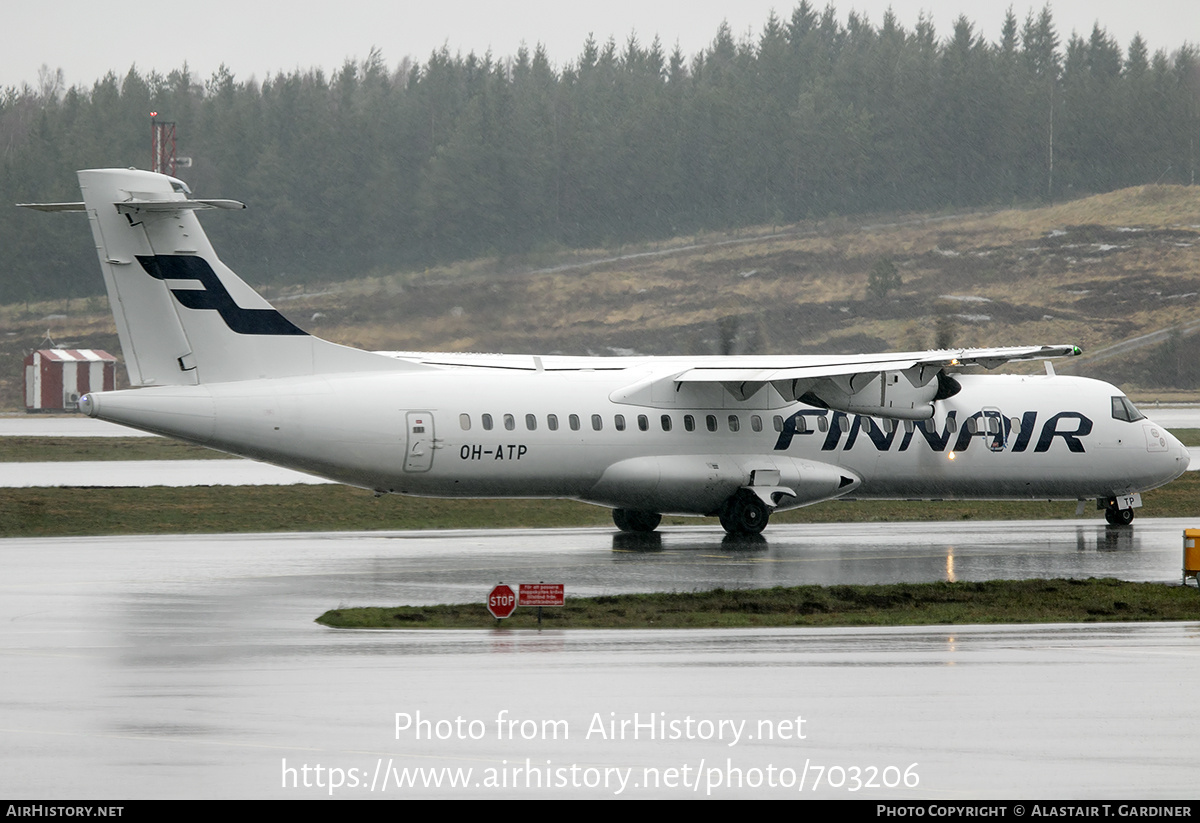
point(162, 145)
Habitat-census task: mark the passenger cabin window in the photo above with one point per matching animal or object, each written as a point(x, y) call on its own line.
point(755, 423)
point(643, 423)
point(552, 422)
point(711, 422)
point(734, 423)
point(665, 420)
point(689, 423)
point(777, 422)
point(1122, 409)
point(464, 422)
point(573, 421)
point(597, 422)
point(510, 422)
point(531, 422)
point(823, 423)
point(487, 422)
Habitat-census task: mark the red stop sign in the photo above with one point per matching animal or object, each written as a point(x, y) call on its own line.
point(502, 602)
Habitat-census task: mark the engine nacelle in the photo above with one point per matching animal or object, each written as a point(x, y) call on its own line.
point(893, 394)
point(700, 484)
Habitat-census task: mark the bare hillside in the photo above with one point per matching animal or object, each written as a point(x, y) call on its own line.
point(1095, 272)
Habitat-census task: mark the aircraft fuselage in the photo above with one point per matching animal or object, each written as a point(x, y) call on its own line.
point(463, 432)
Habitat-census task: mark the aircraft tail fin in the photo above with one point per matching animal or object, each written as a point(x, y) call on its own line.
point(182, 315)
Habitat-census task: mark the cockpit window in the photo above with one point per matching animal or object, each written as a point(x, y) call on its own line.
point(1122, 409)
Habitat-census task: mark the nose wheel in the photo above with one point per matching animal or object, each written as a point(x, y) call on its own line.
point(1118, 517)
point(744, 513)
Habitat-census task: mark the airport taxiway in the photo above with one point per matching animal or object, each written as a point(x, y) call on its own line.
point(189, 666)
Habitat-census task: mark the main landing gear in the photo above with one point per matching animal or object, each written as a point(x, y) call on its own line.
point(744, 513)
point(631, 520)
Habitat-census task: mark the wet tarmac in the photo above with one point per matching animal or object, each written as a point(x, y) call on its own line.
point(190, 667)
point(144, 473)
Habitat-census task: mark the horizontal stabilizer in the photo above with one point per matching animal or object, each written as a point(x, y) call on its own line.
point(52, 206)
point(156, 206)
point(147, 206)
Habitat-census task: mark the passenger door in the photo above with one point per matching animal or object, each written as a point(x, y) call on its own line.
point(418, 455)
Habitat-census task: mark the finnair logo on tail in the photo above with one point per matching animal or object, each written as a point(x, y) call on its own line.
point(214, 296)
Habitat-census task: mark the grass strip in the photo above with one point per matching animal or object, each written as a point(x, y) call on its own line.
point(72, 449)
point(231, 509)
point(67, 511)
point(897, 604)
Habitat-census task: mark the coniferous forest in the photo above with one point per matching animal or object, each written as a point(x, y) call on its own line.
point(378, 167)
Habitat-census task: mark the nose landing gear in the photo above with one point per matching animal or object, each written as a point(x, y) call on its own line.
point(1118, 517)
point(1114, 514)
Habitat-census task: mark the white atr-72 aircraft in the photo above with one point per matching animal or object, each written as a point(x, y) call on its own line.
point(736, 437)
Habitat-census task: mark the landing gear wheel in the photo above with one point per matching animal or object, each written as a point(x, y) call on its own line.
point(1118, 517)
point(745, 513)
point(631, 520)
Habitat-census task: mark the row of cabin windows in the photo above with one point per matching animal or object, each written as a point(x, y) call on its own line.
point(990, 424)
point(666, 422)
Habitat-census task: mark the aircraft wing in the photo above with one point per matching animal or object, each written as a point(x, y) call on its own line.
point(713, 369)
point(872, 364)
point(863, 384)
point(895, 385)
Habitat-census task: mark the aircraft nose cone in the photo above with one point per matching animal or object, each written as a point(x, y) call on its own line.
point(1184, 456)
point(1180, 457)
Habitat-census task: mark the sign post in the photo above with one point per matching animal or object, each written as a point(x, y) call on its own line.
point(542, 594)
point(502, 602)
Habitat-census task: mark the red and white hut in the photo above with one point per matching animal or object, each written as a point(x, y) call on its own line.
point(55, 379)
